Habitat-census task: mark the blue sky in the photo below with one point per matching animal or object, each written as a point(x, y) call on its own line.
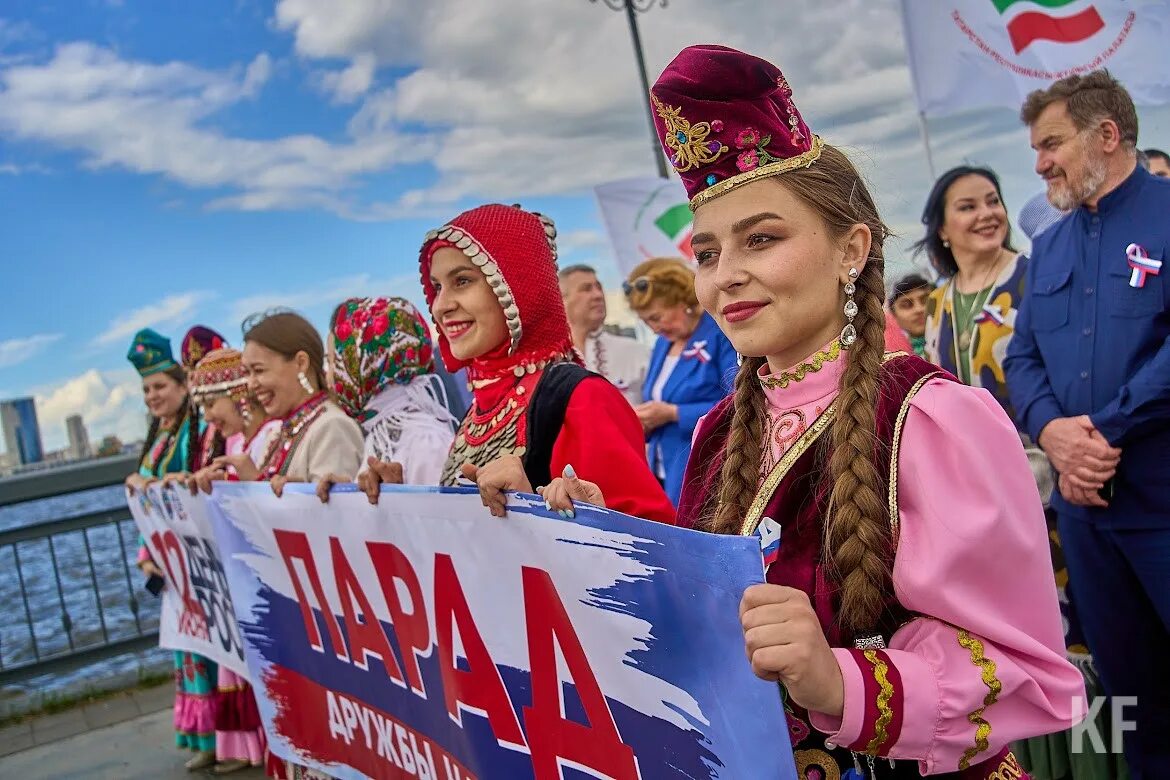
point(164, 163)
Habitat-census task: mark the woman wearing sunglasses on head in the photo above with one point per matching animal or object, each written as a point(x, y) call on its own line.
point(691, 368)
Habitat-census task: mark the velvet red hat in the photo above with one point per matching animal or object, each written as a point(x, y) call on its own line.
point(516, 250)
point(197, 343)
point(726, 118)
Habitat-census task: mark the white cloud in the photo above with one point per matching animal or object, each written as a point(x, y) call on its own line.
point(154, 119)
point(108, 402)
point(171, 309)
point(328, 294)
point(16, 351)
point(349, 84)
point(585, 240)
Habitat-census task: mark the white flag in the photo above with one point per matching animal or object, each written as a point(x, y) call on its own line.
point(968, 54)
point(646, 218)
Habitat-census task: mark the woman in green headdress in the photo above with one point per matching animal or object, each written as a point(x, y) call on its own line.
point(167, 450)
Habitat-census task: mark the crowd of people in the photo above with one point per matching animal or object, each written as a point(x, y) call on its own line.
point(926, 450)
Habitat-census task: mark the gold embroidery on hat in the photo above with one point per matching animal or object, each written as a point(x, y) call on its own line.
point(688, 142)
point(792, 163)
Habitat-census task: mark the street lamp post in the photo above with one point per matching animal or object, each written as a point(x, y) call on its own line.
point(632, 8)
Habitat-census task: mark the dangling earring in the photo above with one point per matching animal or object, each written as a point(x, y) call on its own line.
point(304, 380)
point(946, 243)
point(245, 412)
point(849, 333)
point(738, 359)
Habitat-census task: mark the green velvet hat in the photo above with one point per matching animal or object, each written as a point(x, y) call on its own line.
point(151, 353)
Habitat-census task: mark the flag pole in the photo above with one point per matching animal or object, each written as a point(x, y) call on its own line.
point(926, 142)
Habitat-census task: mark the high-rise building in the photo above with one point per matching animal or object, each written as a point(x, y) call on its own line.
point(22, 434)
point(78, 437)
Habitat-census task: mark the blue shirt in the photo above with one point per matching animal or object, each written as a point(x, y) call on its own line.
point(1087, 342)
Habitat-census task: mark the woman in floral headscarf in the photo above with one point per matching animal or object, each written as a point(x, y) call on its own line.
point(382, 370)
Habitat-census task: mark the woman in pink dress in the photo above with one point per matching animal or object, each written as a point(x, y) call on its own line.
point(219, 385)
point(909, 615)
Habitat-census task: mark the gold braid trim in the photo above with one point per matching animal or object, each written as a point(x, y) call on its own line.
point(896, 446)
point(771, 169)
point(813, 365)
point(994, 686)
point(880, 735)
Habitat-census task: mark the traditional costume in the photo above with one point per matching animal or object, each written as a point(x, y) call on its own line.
point(531, 397)
point(967, 655)
point(314, 440)
point(239, 733)
point(384, 377)
point(169, 452)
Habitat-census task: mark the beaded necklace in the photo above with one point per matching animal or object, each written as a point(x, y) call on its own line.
point(291, 433)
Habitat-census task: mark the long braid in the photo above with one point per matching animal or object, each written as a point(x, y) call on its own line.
point(194, 443)
point(740, 475)
point(858, 542)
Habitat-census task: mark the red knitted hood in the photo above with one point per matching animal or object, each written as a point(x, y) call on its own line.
point(516, 250)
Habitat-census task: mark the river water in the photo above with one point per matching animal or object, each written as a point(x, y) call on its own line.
point(106, 594)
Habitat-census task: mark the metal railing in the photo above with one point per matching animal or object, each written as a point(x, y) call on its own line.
point(69, 594)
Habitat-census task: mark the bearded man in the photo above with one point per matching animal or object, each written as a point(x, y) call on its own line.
point(1088, 371)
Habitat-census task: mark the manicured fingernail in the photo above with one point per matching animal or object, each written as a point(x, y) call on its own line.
point(563, 513)
point(569, 472)
point(571, 513)
point(548, 506)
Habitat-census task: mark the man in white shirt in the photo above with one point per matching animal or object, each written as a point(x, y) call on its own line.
point(621, 360)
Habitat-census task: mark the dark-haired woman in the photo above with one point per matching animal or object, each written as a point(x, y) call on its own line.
point(970, 317)
point(909, 611)
point(285, 359)
point(171, 448)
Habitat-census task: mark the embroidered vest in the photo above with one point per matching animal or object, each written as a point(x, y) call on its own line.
point(796, 495)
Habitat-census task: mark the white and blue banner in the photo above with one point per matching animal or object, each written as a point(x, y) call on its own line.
point(424, 638)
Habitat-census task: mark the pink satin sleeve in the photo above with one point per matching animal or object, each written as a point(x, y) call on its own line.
point(985, 663)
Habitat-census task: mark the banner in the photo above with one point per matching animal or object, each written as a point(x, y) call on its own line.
point(424, 638)
point(968, 54)
point(645, 218)
point(196, 612)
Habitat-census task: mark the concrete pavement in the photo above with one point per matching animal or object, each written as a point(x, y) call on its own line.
point(126, 737)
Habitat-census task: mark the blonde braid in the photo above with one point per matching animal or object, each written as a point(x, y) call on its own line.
point(740, 475)
point(857, 532)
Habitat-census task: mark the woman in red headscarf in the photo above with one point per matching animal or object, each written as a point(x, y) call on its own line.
point(490, 278)
point(909, 611)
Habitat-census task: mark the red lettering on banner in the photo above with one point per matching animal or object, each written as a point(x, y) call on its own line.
point(480, 688)
point(550, 735)
point(411, 628)
point(366, 637)
point(331, 728)
point(193, 621)
point(295, 545)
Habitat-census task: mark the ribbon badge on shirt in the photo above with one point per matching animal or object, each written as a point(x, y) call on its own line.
point(768, 532)
point(1142, 264)
point(698, 350)
point(990, 313)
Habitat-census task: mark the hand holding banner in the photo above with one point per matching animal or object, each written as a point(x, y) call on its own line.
point(424, 638)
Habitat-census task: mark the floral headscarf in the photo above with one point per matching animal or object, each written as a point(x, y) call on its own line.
point(376, 342)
